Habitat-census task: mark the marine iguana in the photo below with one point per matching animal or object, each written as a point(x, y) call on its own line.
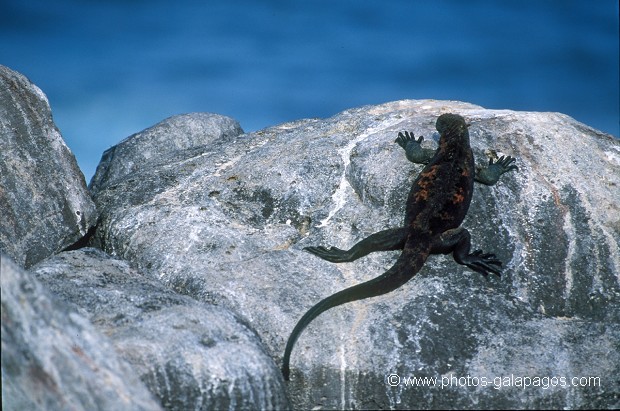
point(436, 206)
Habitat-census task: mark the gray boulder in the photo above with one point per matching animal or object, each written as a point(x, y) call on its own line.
point(226, 221)
point(54, 359)
point(154, 147)
point(190, 355)
point(43, 197)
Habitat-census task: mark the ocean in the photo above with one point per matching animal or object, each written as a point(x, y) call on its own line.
point(113, 68)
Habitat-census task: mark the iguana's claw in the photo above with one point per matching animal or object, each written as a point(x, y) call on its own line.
point(404, 138)
point(484, 263)
point(504, 163)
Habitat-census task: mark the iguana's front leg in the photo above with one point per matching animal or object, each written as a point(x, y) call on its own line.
point(491, 174)
point(413, 148)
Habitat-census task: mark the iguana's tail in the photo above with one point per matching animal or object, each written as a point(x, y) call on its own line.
point(408, 264)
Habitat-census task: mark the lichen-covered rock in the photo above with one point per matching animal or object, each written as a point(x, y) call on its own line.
point(54, 359)
point(43, 197)
point(190, 355)
point(228, 226)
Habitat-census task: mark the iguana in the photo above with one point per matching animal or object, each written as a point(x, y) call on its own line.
point(436, 206)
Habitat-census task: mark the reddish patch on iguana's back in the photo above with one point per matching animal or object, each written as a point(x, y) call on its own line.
point(425, 183)
point(459, 196)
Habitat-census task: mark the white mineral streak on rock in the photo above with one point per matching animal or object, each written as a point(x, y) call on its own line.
point(339, 198)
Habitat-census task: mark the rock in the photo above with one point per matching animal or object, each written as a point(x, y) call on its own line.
point(54, 359)
point(226, 224)
point(190, 355)
point(43, 197)
point(154, 148)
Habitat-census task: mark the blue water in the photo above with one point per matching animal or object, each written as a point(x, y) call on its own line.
point(112, 68)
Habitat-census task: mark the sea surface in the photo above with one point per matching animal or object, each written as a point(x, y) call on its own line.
point(113, 68)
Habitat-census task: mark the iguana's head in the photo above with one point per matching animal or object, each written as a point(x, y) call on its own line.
point(451, 123)
point(452, 129)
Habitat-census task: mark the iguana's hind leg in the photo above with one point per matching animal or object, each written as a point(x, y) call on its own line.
point(386, 240)
point(458, 242)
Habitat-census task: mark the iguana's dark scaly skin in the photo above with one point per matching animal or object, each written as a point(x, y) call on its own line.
point(437, 204)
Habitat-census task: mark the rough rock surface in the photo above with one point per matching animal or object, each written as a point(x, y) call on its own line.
point(226, 221)
point(190, 355)
point(154, 147)
point(54, 359)
point(43, 197)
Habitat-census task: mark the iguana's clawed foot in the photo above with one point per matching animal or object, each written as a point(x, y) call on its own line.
point(503, 165)
point(413, 148)
point(332, 254)
point(405, 138)
point(491, 174)
point(484, 264)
